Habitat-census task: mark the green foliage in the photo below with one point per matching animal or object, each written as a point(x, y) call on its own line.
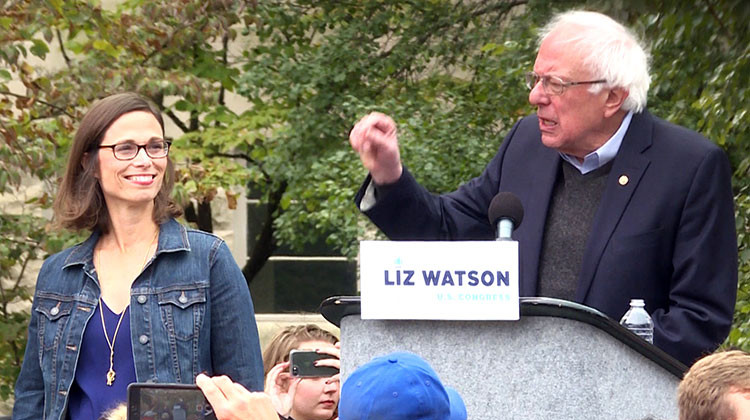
point(701, 71)
point(444, 70)
point(701, 80)
point(740, 335)
point(15, 253)
point(57, 58)
point(449, 72)
point(24, 241)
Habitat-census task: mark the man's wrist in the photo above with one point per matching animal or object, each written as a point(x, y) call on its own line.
point(390, 177)
point(381, 190)
point(375, 191)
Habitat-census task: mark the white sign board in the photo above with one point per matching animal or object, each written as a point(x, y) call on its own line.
point(447, 280)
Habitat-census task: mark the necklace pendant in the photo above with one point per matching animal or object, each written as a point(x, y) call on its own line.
point(110, 377)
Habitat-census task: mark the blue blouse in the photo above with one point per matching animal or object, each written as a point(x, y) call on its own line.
point(90, 396)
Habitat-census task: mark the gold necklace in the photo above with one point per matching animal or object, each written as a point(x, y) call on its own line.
point(111, 344)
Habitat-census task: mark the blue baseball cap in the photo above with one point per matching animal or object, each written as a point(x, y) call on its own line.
point(398, 386)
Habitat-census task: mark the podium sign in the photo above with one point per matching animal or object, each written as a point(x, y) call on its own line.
point(442, 280)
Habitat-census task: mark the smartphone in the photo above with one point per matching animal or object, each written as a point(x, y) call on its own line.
point(302, 364)
point(149, 401)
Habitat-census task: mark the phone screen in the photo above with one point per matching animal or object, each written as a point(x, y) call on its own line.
point(302, 364)
point(147, 401)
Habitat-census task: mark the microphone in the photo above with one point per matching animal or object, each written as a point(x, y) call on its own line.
point(505, 213)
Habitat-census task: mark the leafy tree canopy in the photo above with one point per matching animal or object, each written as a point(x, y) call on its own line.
point(449, 72)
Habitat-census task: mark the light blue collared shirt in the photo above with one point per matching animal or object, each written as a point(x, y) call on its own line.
point(605, 153)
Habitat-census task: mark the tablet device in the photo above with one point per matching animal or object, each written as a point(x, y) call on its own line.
point(150, 401)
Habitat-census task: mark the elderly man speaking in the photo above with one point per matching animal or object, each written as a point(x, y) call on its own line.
point(619, 204)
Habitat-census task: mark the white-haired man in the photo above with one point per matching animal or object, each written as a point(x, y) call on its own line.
point(618, 203)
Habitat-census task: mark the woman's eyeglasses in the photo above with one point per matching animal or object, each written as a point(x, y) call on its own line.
point(128, 150)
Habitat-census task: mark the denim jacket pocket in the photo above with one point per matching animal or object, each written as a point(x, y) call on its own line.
point(53, 315)
point(182, 311)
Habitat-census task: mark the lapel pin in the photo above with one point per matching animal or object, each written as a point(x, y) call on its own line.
point(623, 180)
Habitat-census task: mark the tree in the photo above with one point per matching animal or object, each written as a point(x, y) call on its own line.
point(291, 142)
point(449, 72)
point(701, 70)
point(318, 66)
point(175, 53)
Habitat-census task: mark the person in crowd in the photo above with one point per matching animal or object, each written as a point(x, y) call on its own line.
point(292, 398)
point(118, 413)
point(302, 398)
point(143, 298)
point(396, 386)
point(618, 204)
point(717, 387)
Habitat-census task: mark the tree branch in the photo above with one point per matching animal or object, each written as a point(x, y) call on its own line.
point(177, 121)
point(504, 9)
point(62, 48)
point(55, 107)
point(246, 158)
point(205, 217)
point(224, 60)
point(164, 44)
point(23, 270)
point(716, 17)
point(265, 245)
point(194, 121)
point(171, 36)
point(16, 283)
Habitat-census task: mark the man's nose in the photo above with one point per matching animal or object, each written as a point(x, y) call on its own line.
point(537, 95)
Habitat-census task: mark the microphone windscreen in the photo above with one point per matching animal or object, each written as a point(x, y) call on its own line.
point(505, 205)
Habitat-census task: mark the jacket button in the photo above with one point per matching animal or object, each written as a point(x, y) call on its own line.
point(54, 311)
point(141, 299)
point(182, 298)
point(143, 339)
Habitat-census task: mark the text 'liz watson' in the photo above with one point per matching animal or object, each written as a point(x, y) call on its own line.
point(448, 278)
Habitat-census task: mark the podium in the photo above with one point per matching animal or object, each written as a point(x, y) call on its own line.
point(561, 360)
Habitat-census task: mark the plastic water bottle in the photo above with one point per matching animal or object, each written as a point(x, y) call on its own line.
point(637, 320)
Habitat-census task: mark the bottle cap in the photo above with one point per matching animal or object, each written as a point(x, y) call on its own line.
point(637, 302)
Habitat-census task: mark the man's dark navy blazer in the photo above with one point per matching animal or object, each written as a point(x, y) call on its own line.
point(664, 230)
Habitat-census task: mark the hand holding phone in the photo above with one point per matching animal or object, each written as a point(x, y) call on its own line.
point(149, 401)
point(282, 388)
point(232, 401)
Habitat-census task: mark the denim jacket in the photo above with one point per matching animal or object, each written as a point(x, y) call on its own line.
point(190, 312)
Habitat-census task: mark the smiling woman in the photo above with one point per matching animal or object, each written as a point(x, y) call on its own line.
point(127, 176)
point(79, 203)
point(143, 298)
